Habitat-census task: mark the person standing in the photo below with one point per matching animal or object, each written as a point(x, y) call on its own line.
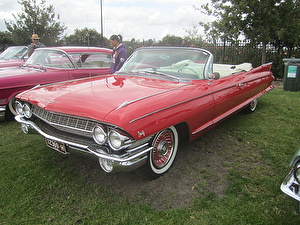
point(35, 44)
point(119, 54)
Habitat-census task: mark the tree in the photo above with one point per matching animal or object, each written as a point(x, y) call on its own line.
point(171, 40)
point(258, 20)
point(193, 37)
point(36, 18)
point(86, 37)
point(288, 31)
point(5, 38)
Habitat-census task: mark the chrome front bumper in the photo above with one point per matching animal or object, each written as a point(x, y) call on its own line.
point(125, 162)
point(2, 112)
point(291, 187)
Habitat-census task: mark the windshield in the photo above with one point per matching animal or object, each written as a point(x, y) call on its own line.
point(17, 52)
point(49, 58)
point(183, 63)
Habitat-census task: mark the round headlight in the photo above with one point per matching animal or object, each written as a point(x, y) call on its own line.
point(297, 171)
point(99, 135)
point(115, 140)
point(27, 110)
point(19, 107)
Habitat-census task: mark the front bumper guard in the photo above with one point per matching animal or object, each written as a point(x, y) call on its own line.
point(120, 162)
point(291, 187)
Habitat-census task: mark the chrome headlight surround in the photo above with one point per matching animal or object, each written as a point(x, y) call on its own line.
point(99, 135)
point(19, 108)
point(27, 112)
point(297, 172)
point(117, 141)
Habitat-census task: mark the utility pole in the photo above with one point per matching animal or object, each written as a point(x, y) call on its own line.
point(101, 21)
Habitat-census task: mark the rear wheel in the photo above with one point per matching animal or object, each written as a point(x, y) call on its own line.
point(163, 154)
point(251, 107)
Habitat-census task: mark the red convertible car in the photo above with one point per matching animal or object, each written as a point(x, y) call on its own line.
point(49, 65)
point(13, 56)
point(137, 117)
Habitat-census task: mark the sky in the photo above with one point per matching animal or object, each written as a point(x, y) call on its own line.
point(139, 19)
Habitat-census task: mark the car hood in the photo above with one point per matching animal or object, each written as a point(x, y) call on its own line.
point(112, 99)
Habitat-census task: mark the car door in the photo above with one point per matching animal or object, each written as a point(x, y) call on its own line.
point(229, 93)
point(91, 64)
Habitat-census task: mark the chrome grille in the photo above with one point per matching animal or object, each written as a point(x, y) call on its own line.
point(65, 123)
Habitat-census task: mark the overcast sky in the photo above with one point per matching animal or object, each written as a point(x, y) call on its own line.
point(139, 19)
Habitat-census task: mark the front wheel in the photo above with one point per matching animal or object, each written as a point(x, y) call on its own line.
point(163, 154)
point(251, 107)
point(10, 111)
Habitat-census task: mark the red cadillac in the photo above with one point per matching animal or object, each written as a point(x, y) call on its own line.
point(137, 117)
point(49, 65)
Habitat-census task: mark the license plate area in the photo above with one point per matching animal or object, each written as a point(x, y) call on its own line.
point(57, 146)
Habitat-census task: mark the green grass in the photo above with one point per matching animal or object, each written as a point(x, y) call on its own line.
point(39, 186)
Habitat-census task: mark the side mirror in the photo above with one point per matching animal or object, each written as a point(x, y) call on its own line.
point(215, 76)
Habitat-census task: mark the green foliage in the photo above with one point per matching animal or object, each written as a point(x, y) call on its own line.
point(86, 37)
point(5, 38)
point(267, 21)
point(171, 40)
point(36, 18)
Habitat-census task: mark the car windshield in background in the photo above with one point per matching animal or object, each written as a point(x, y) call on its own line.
point(92, 59)
point(50, 58)
point(16, 52)
point(181, 64)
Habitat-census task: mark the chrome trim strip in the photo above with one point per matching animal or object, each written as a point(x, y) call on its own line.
point(170, 106)
point(138, 99)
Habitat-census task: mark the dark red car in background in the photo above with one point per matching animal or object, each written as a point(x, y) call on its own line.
point(50, 65)
point(13, 56)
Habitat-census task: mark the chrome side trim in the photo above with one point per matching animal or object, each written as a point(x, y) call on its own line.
point(170, 106)
point(138, 99)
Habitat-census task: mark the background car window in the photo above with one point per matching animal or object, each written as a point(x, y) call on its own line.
point(92, 60)
point(17, 52)
point(51, 59)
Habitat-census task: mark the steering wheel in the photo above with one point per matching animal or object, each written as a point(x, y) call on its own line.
point(187, 68)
